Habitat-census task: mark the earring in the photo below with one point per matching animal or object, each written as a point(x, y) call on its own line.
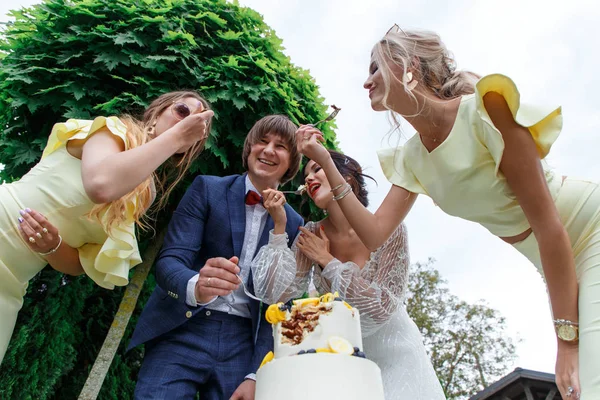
point(409, 82)
point(151, 130)
point(325, 212)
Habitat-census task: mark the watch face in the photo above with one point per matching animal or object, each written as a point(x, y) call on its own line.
point(567, 332)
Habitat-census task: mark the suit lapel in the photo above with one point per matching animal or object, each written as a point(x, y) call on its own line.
point(237, 213)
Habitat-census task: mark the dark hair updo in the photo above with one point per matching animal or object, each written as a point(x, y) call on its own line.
point(352, 173)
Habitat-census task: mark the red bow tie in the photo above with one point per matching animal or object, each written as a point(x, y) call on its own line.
point(253, 198)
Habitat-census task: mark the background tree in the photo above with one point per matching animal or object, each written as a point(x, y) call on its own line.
point(468, 343)
point(81, 58)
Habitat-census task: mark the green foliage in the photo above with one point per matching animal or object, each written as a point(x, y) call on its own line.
point(81, 58)
point(468, 343)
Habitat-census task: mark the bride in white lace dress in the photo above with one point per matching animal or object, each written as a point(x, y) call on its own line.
point(331, 254)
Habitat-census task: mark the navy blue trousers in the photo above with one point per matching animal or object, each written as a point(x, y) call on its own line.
point(210, 354)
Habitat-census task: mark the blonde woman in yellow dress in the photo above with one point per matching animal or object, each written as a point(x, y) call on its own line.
point(479, 154)
point(76, 209)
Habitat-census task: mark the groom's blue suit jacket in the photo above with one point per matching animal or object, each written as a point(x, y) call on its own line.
point(209, 222)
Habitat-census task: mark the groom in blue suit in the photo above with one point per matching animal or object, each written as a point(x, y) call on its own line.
point(203, 333)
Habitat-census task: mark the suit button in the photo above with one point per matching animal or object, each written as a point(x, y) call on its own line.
point(188, 314)
point(207, 313)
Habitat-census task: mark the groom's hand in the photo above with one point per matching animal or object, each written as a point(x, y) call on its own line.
point(218, 277)
point(245, 391)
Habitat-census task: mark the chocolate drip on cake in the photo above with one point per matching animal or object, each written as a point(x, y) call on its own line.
point(301, 322)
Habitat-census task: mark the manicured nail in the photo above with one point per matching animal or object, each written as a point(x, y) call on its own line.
point(28, 210)
point(20, 220)
point(322, 228)
point(21, 212)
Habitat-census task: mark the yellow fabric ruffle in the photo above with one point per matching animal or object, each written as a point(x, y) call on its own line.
point(544, 124)
point(82, 129)
point(107, 264)
point(392, 163)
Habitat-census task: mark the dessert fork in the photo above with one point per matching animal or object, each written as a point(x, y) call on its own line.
point(246, 290)
point(297, 191)
point(331, 116)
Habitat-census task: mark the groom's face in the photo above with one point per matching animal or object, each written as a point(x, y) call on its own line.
point(269, 159)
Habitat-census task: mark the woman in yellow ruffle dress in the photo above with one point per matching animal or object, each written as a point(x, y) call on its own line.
point(479, 154)
point(76, 209)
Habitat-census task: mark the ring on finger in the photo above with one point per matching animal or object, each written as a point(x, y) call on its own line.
point(44, 230)
point(276, 198)
point(570, 391)
point(31, 239)
point(38, 235)
point(208, 281)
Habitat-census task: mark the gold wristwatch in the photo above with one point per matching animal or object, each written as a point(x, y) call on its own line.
point(566, 330)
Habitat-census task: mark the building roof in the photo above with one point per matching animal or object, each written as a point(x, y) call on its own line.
point(521, 384)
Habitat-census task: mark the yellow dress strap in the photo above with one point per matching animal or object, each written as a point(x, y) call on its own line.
point(83, 129)
point(544, 123)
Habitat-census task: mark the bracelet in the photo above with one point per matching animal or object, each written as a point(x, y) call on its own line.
point(336, 188)
point(52, 251)
point(344, 193)
point(565, 322)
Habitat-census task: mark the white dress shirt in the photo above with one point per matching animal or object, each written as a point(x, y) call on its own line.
point(237, 302)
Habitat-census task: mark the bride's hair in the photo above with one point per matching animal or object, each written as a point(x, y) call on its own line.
point(352, 173)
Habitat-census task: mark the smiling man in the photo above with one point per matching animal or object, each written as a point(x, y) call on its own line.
point(203, 334)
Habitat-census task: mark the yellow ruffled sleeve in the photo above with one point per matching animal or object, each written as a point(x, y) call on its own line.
point(394, 166)
point(108, 264)
point(82, 129)
point(544, 124)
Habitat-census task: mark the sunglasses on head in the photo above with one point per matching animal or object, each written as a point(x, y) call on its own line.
point(396, 29)
point(181, 110)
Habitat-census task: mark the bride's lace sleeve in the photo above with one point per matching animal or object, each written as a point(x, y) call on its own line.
point(278, 272)
point(376, 292)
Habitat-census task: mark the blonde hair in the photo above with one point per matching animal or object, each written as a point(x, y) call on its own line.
point(163, 180)
point(425, 55)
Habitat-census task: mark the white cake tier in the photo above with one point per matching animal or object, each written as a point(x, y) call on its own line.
point(319, 376)
point(339, 321)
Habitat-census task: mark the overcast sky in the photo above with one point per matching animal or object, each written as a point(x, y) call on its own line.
point(548, 47)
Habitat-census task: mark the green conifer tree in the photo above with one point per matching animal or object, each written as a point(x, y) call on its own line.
point(81, 58)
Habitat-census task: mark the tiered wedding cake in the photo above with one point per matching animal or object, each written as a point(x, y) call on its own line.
point(317, 354)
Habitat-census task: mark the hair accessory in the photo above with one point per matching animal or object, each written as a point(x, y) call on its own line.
point(52, 251)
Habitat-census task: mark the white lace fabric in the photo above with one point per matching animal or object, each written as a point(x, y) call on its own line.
point(377, 290)
point(276, 273)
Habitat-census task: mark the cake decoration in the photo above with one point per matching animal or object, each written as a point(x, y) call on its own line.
point(321, 333)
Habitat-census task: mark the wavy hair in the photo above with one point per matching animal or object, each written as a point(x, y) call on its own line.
point(161, 182)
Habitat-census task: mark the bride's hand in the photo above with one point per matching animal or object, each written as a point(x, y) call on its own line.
point(315, 247)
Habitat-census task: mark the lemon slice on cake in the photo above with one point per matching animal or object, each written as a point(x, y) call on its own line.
point(340, 345)
point(301, 303)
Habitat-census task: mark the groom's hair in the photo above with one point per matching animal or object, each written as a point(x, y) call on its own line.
point(281, 126)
